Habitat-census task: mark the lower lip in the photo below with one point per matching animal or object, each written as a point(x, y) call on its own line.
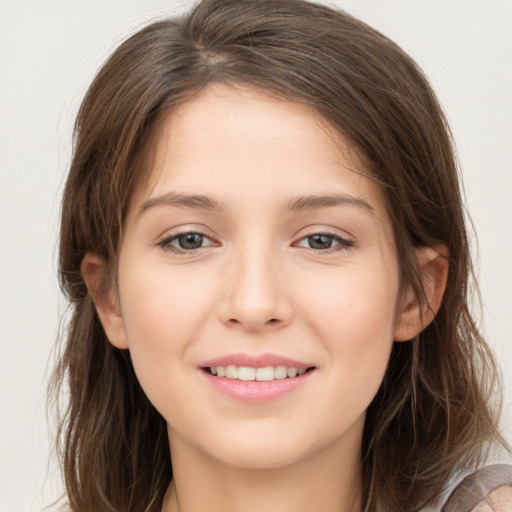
point(254, 392)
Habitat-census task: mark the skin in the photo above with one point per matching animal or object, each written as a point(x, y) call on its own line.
point(258, 286)
point(499, 500)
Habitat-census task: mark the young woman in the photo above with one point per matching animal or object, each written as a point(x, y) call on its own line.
point(263, 242)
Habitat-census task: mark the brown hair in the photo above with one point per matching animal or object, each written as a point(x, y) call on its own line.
point(431, 416)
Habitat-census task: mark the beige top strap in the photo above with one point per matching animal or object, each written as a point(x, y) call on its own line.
point(477, 486)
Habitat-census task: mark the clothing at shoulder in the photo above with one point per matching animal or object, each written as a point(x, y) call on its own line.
point(499, 500)
point(487, 490)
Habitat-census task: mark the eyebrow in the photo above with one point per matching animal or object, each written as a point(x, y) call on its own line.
point(315, 202)
point(295, 204)
point(195, 201)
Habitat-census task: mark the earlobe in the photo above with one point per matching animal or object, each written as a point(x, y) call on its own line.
point(416, 315)
point(94, 272)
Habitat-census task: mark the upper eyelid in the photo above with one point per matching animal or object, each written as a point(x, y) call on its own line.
point(306, 235)
point(326, 233)
point(167, 239)
point(333, 228)
point(343, 241)
point(178, 231)
point(174, 236)
point(333, 232)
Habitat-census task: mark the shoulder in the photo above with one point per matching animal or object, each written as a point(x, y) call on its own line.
point(499, 500)
point(487, 490)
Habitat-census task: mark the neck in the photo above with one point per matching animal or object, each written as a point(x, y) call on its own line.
point(328, 481)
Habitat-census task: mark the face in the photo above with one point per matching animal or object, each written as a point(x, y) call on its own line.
point(256, 248)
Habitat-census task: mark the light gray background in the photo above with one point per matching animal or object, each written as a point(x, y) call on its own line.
point(49, 52)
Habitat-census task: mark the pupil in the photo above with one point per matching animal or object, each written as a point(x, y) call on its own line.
point(190, 241)
point(320, 241)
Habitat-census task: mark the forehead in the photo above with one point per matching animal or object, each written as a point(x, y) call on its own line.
point(240, 144)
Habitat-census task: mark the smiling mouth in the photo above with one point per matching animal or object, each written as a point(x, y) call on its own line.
point(263, 374)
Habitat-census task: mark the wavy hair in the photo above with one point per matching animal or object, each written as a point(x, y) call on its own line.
point(432, 414)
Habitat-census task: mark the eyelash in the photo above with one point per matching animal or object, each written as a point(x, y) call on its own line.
point(343, 243)
point(165, 243)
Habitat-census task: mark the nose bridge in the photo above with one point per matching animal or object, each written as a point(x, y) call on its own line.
point(255, 297)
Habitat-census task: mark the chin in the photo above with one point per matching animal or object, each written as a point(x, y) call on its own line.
point(260, 458)
point(262, 450)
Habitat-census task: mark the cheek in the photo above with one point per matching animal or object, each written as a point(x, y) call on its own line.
point(163, 314)
point(159, 305)
point(355, 319)
point(356, 307)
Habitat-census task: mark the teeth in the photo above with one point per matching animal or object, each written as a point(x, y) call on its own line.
point(232, 371)
point(280, 372)
point(246, 373)
point(249, 373)
point(292, 372)
point(264, 374)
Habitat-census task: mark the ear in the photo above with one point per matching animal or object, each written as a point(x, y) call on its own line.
point(415, 315)
point(106, 302)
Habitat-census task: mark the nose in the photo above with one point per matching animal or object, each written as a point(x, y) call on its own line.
point(256, 297)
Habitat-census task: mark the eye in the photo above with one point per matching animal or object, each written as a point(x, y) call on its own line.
point(325, 241)
point(185, 242)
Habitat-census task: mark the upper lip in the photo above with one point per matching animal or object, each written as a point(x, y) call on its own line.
point(255, 361)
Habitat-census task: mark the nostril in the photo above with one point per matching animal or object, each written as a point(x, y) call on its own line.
point(254, 322)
